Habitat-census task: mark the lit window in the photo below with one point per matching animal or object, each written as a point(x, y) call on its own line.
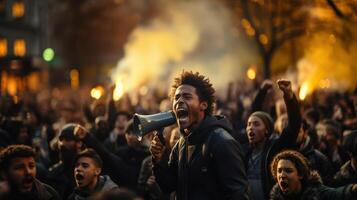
point(3, 47)
point(19, 47)
point(18, 9)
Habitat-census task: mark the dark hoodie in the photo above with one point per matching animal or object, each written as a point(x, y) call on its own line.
point(313, 189)
point(40, 191)
point(104, 184)
point(207, 164)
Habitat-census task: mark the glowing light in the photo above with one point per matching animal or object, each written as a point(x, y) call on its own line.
point(48, 54)
point(74, 76)
point(143, 90)
point(251, 74)
point(250, 31)
point(19, 47)
point(12, 85)
point(97, 92)
point(119, 90)
point(263, 39)
point(18, 9)
point(304, 90)
point(332, 38)
point(3, 47)
point(325, 83)
point(245, 23)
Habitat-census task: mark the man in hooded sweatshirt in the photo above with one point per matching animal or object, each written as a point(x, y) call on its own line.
point(207, 162)
point(88, 166)
point(18, 171)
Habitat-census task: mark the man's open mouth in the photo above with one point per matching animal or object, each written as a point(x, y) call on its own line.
point(181, 113)
point(79, 177)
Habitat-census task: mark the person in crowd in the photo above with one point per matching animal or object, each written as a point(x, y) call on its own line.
point(330, 143)
point(348, 172)
point(318, 160)
point(18, 170)
point(113, 165)
point(262, 148)
point(207, 162)
point(116, 137)
point(296, 180)
point(118, 194)
point(147, 184)
point(87, 170)
point(60, 175)
point(133, 155)
point(100, 129)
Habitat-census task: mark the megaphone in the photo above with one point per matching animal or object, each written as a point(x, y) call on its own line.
point(144, 124)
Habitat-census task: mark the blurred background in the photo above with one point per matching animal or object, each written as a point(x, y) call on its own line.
point(67, 49)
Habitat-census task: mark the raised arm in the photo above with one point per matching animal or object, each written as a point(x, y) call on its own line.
point(257, 104)
point(290, 133)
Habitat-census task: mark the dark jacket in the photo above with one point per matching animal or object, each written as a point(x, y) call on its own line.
point(315, 190)
point(104, 184)
point(215, 169)
point(273, 146)
point(61, 178)
point(319, 162)
point(40, 191)
point(118, 170)
point(346, 175)
point(133, 157)
point(149, 192)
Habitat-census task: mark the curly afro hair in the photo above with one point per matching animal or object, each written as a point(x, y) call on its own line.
point(204, 88)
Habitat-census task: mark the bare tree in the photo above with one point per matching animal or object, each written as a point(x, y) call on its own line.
point(271, 23)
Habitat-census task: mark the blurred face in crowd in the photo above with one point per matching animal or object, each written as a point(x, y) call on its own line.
point(188, 108)
point(68, 149)
point(301, 137)
point(121, 122)
point(131, 139)
point(21, 174)
point(256, 130)
point(86, 173)
point(288, 178)
point(23, 136)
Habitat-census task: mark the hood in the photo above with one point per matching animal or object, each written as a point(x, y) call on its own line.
point(208, 124)
point(108, 183)
point(104, 184)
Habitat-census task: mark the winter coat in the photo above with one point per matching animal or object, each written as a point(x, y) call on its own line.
point(207, 164)
point(40, 191)
point(313, 189)
point(273, 146)
point(61, 178)
point(319, 162)
point(104, 184)
point(346, 175)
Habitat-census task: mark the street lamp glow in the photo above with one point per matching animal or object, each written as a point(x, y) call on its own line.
point(251, 74)
point(97, 92)
point(48, 54)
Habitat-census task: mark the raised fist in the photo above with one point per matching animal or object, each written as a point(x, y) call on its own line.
point(285, 86)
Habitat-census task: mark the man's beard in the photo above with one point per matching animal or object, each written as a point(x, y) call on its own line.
point(67, 156)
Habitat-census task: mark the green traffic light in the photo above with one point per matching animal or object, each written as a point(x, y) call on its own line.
point(48, 54)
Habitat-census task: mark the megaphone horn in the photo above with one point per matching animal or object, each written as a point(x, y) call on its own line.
point(144, 124)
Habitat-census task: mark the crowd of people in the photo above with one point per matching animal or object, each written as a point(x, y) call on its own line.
point(259, 141)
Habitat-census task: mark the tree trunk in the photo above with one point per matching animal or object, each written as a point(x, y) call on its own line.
point(266, 64)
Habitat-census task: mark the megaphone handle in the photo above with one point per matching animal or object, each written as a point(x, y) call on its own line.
point(161, 136)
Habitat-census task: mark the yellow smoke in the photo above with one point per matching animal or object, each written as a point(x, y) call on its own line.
point(190, 35)
point(327, 63)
